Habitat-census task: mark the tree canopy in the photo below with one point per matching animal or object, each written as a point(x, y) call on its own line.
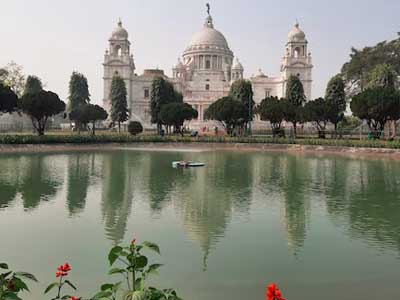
point(317, 112)
point(162, 92)
point(335, 98)
point(362, 61)
point(176, 113)
point(377, 106)
point(8, 99)
point(40, 107)
point(295, 99)
point(78, 91)
point(12, 76)
point(119, 103)
point(88, 113)
point(241, 90)
point(272, 109)
point(229, 112)
point(382, 75)
point(33, 85)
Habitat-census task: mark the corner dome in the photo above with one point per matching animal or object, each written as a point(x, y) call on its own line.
point(120, 32)
point(296, 34)
point(237, 65)
point(208, 38)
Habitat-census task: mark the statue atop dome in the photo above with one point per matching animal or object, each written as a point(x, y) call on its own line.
point(208, 8)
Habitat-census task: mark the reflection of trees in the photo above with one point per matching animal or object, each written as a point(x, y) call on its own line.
point(40, 180)
point(207, 197)
point(371, 204)
point(296, 207)
point(8, 181)
point(161, 179)
point(78, 181)
point(116, 200)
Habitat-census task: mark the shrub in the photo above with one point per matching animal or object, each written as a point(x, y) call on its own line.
point(135, 128)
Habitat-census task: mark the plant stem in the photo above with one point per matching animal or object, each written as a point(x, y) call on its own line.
point(59, 288)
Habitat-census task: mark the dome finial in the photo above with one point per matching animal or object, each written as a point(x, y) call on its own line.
point(119, 22)
point(208, 8)
point(297, 23)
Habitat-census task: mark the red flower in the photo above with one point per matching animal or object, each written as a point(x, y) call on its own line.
point(74, 298)
point(66, 267)
point(133, 242)
point(63, 270)
point(273, 293)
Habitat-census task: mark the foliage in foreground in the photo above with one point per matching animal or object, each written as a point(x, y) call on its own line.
point(12, 283)
point(127, 261)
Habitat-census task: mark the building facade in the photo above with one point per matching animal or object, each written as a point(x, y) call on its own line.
point(204, 73)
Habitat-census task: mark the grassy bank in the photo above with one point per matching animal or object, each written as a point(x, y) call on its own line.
point(124, 138)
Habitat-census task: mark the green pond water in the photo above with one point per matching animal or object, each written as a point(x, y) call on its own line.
point(321, 227)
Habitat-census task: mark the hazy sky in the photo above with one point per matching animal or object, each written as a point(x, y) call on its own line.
point(52, 38)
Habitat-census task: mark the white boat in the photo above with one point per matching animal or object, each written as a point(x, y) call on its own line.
point(186, 164)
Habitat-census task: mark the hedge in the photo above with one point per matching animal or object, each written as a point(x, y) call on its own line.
point(123, 138)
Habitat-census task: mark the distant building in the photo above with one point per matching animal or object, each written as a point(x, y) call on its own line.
point(204, 73)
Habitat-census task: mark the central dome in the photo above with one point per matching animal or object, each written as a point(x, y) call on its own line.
point(208, 38)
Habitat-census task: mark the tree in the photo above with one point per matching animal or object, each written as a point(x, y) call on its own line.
point(162, 92)
point(135, 128)
point(362, 61)
point(317, 112)
point(78, 91)
point(3, 75)
point(294, 101)
point(119, 104)
point(33, 85)
point(382, 75)
point(13, 77)
point(40, 107)
point(272, 109)
point(229, 112)
point(377, 106)
point(176, 113)
point(242, 91)
point(88, 113)
point(8, 99)
point(335, 98)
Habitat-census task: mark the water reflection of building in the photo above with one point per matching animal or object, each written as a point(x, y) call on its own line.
point(209, 197)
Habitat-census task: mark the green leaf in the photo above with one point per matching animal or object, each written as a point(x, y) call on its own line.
point(116, 271)
point(153, 269)
point(26, 275)
point(141, 262)
point(3, 266)
point(70, 284)
point(114, 254)
point(10, 296)
point(50, 287)
point(102, 295)
point(106, 286)
point(116, 287)
point(19, 284)
point(152, 246)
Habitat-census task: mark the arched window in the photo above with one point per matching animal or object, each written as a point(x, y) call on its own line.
point(118, 50)
point(297, 52)
point(208, 64)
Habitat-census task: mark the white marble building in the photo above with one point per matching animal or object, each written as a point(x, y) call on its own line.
point(204, 73)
